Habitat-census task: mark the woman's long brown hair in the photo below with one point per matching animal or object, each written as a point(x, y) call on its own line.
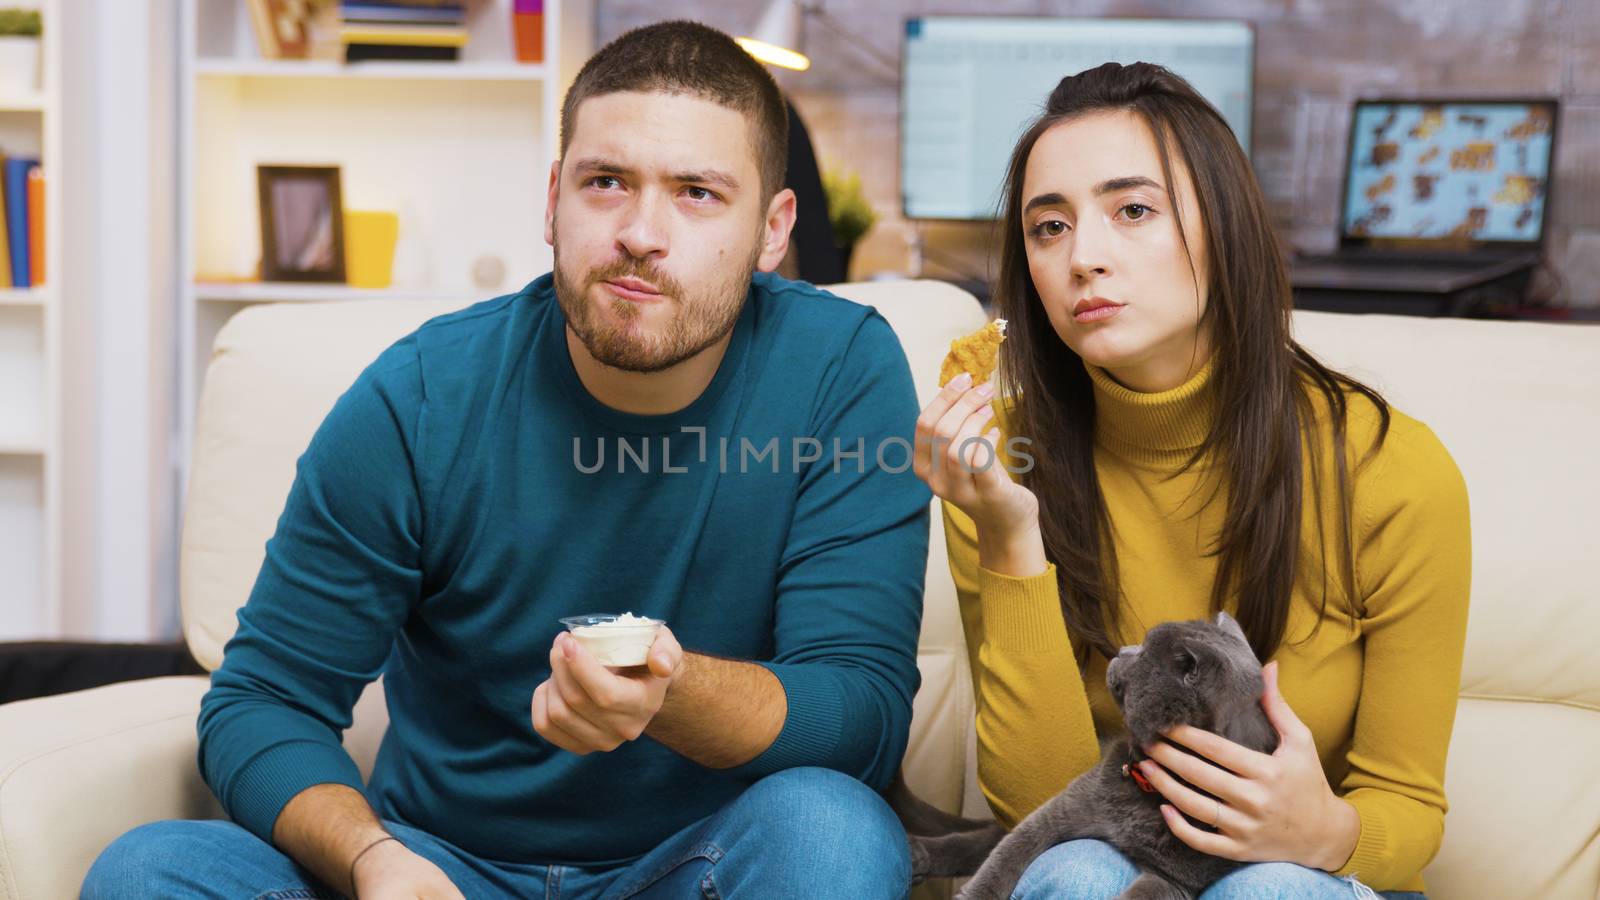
point(1263, 379)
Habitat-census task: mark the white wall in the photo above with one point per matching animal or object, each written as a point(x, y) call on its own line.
point(119, 253)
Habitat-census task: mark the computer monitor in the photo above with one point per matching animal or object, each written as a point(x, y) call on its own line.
point(1448, 172)
point(971, 85)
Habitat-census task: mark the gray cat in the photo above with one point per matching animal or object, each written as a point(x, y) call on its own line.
point(1196, 673)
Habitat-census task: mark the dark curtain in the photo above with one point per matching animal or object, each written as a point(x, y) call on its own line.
point(820, 262)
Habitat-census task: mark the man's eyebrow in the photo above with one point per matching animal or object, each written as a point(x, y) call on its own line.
point(1108, 186)
point(709, 176)
point(702, 176)
point(601, 164)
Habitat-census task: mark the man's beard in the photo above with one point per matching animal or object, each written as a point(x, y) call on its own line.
point(697, 322)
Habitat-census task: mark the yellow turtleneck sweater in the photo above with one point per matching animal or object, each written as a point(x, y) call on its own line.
point(1376, 685)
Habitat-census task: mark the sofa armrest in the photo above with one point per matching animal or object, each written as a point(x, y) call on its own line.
point(78, 770)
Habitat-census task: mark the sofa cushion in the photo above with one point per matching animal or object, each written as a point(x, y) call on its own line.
point(275, 372)
point(1515, 404)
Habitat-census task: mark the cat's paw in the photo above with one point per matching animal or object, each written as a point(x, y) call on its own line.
point(921, 862)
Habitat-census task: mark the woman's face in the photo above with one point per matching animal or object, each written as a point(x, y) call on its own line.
point(1105, 254)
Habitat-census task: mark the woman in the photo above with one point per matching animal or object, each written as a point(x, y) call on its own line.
point(1187, 456)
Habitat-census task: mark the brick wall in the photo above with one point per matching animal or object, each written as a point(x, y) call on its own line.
point(1313, 57)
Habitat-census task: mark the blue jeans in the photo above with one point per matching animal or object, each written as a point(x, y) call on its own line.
point(798, 833)
point(1095, 870)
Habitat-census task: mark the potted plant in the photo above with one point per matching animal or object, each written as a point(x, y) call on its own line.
point(848, 211)
point(19, 50)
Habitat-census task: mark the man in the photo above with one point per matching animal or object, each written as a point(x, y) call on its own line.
point(652, 428)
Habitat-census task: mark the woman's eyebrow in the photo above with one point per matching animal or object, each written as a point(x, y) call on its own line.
point(1124, 183)
point(1051, 199)
point(1108, 186)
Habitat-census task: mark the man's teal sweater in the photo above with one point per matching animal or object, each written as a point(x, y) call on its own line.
point(467, 491)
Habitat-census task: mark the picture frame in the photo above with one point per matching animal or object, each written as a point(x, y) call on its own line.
point(302, 223)
point(281, 27)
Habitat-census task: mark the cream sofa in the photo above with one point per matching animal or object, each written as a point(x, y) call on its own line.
point(1515, 403)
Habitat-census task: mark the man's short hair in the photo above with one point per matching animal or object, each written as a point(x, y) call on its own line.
point(689, 58)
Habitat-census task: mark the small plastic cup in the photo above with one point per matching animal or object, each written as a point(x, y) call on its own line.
point(614, 643)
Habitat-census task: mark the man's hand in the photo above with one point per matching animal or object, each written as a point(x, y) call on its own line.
point(389, 871)
point(585, 707)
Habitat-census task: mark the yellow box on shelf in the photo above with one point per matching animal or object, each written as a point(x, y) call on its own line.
point(369, 239)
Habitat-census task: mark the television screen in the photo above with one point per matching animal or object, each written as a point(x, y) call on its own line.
point(972, 84)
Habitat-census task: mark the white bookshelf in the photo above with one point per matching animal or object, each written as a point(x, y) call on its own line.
point(26, 296)
point(465, 70)
point(30, 374)
point(24, 103)
point(461, 150)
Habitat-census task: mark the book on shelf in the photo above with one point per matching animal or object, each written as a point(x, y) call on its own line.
point(403, 13)
point(399, 52)
point(457, 5)
point(15, 180)
point(36, 224)
point(5, 234)
point(402, 29)
point(403, 35)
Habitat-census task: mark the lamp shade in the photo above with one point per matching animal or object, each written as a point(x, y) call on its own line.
point(776, 39)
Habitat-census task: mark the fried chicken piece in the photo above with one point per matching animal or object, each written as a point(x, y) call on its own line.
point(976, 354)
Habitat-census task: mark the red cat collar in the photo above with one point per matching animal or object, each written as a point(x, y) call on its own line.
point(1129, 770)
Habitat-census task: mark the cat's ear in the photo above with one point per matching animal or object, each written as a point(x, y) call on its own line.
point(1189, 663)
point(1231, 625)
